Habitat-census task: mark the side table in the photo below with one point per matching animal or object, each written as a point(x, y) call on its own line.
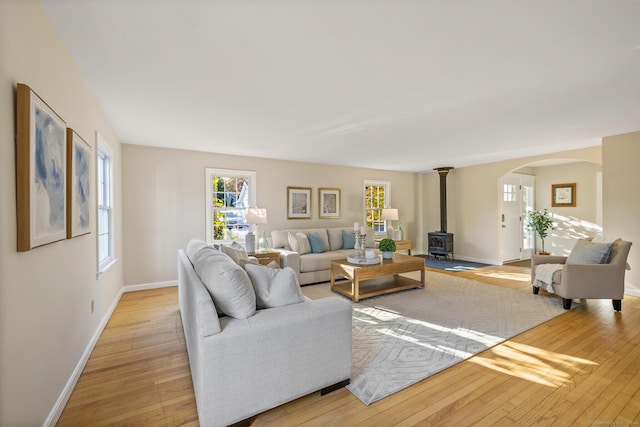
point(265, 258)
point(403, 245)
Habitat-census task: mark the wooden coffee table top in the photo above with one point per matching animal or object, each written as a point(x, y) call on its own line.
point(357, 273)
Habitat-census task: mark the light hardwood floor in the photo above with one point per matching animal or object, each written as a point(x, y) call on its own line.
point(581, 368)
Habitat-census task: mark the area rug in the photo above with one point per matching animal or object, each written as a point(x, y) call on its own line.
point(455, 266)
point(402, 338)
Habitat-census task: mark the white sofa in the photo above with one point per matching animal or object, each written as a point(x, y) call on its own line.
point(309, 266)
point(244, 366)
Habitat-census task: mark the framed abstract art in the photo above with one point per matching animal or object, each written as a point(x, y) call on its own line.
point(41, 170)
point(78, 185)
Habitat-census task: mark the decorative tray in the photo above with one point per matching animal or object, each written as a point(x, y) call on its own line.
point(371, 261)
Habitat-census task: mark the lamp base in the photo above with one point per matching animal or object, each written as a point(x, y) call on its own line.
point(250, 242)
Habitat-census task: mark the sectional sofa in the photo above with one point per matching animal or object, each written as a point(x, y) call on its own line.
point(254, 342)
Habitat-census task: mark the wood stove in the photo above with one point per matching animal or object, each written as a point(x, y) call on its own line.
point(441, 242)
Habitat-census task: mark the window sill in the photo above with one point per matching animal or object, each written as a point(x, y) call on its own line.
point(102, 268)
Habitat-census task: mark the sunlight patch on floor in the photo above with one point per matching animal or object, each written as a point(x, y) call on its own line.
point(497, 274)
point(533, 364)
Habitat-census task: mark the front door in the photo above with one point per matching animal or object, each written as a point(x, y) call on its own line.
point(510, 218)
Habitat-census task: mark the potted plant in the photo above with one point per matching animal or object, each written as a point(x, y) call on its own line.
point(541, 223)
point(387, 247)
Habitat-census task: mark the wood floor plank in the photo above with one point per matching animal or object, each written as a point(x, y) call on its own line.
point(581, 367)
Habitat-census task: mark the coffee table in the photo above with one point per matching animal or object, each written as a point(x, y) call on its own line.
point(367, 281)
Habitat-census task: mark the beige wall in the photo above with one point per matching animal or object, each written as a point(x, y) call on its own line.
point(164, 201)
point(45, 294)
point(573, 222)
point(621, 205)
point(474, 205)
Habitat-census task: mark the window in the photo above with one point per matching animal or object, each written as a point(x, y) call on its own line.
point(228, 195)
point(105, 206)
point(377, 195)
point(510, 192)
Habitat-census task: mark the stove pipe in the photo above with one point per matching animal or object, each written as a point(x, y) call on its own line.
point(443, 196)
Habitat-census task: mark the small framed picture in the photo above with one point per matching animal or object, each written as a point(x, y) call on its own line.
point(298, 203)
point(329, 203)
point(563, 195)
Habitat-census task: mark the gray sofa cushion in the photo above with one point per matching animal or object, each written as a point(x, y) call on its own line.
point(227, 282)
point(274, 288)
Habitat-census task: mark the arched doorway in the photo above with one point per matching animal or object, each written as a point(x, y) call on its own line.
point(529, 188)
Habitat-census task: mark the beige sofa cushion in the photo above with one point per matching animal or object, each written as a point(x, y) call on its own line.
point(321, 261)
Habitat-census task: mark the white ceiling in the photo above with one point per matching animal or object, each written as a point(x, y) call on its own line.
point(404, 85)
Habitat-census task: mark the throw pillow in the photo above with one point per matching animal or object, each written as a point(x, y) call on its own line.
point(317, 243)
point(299, 243)
point(305, 245)
point(274, 288)
point(193, 245)
point(585, 252)
point(294, 244)
point(228, 284)
point(604, 239)
point(236, 254)
point(348, 240)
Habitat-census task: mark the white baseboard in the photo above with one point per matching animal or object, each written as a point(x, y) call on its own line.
point(55, 413)
point(153, 285)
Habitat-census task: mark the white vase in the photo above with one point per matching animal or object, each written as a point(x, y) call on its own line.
point(387, 255)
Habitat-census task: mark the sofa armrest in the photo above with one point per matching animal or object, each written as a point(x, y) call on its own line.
point(592, 281)
point(289, 259)
point(544, 259)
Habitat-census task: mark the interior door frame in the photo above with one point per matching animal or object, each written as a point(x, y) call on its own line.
point(523, 180)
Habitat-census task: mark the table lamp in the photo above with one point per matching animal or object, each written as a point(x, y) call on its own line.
point(390, 214)
point(256, 216)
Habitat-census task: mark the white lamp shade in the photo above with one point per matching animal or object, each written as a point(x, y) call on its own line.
point(390, 214)
point(256, 216)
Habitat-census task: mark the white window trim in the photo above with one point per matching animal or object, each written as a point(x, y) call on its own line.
point(103, 147)
point(387, 200)
point(210, 172)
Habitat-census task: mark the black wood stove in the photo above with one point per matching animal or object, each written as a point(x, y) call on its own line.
point(441, 242)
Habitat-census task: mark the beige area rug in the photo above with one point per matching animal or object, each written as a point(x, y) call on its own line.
point(402, 338)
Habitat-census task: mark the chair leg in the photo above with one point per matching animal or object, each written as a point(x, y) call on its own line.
point(566, 303)
point(617, 304)
point(536, 290)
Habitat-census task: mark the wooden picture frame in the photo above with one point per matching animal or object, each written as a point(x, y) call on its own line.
point(329, 203)
point(78, 185)
point(563, 195)
point(41, 157)
point(298, 203)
